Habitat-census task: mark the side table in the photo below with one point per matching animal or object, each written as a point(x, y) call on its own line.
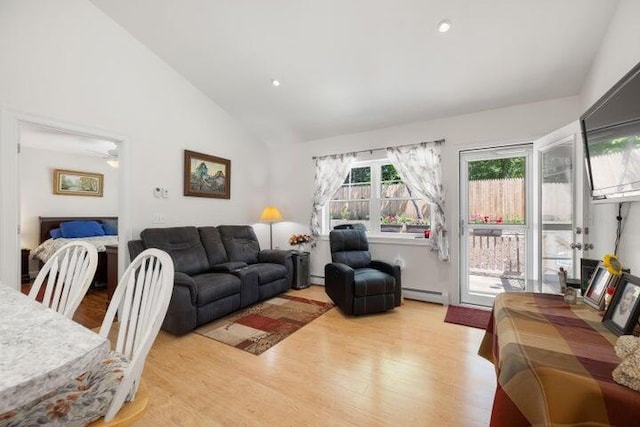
point(301, 273)
point(112, 271)
point(24, 265)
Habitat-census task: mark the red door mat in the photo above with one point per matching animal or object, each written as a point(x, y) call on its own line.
point(474, 317)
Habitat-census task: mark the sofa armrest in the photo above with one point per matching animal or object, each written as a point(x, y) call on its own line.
point(228, 267)
point(392, 270)
point(276, 256)
point(135, 248)
point(183, 280)
point(338, 283)
point(249, 286)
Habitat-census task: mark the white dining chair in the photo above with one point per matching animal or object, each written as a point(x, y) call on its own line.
point(140, 302)
point(66, 277)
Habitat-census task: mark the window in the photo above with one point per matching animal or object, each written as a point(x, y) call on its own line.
point(373, 194)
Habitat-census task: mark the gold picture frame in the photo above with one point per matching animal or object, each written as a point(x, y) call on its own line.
point(77, 183)
point(206, 176)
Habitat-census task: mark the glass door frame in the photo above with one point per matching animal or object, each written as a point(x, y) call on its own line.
point(493, 153)
point(580, 208)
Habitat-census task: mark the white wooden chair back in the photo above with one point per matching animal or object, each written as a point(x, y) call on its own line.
point(141, 301)
point(68, 274)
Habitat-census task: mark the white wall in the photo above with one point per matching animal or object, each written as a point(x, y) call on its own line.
point(67, 61)
point(292, 178)
point(619, 52)
point(36, 190)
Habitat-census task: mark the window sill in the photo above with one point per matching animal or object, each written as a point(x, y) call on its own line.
point(395, 239)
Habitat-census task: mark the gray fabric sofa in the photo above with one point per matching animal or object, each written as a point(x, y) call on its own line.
point(218, 270)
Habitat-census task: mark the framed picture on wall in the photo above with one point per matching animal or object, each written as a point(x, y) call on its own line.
point(597, 288)
point(77, 183)
point(206, 176)
point(623, 311)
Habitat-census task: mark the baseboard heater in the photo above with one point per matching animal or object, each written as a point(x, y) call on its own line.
point(408, 293)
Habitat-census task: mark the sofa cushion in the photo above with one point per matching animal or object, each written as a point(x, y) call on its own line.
point(368, 281)
point(240, 242)
point(212, 242)
point(214, 286)
point(268, 272)
point(182, 244)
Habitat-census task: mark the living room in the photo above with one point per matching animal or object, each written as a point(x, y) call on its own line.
point(70, 63)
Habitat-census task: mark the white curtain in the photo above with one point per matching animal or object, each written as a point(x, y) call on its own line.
point(419, 168)
point(331, 172)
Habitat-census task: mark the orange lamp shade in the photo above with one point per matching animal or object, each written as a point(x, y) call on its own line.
point(270, 214)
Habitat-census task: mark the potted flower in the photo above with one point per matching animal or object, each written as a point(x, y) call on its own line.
point(390, 223)
point(299, 240)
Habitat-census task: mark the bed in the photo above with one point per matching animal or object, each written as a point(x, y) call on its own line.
point(48, 245)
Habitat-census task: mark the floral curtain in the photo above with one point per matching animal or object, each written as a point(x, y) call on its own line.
point(331, 172)
point(419, 168)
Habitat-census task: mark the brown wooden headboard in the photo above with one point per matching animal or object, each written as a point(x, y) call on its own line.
point(48, 223)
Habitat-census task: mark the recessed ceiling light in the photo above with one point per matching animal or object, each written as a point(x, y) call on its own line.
point(275, 82)
point(444, 25)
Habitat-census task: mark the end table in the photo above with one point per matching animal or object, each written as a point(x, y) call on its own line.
point(301, 273)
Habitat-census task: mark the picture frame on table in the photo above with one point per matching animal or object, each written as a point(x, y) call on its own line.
point(600, 280)
point(622, 314)
point(206, 176)
point(587, 268)
point(77, 183)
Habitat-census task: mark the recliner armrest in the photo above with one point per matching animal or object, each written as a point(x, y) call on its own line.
point(229, 267)
point(276, 256)
point(385, 267)
point(338, 283)
point(394, 271)
point(135, 248)
point(181, 279)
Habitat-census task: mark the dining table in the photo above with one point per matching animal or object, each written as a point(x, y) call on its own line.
point(40, 349)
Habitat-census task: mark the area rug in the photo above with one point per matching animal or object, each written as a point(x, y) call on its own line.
point(263, 325)
point(466, 316)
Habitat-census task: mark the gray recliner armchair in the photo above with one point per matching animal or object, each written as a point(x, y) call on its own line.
point(353, 281)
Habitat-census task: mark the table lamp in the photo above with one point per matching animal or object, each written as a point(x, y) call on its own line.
point(270, 214)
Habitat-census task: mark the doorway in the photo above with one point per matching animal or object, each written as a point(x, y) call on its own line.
point(495, 222)
point(563, 232)
point(10, 244)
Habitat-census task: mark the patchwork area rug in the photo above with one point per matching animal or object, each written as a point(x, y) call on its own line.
point(263, 325)
point(467, 316)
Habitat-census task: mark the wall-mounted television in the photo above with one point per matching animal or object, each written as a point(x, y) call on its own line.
point(611, 135)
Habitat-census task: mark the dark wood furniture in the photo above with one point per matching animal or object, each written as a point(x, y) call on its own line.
point(112, 271)
point(301, 273)
point(24, 265)
point(49, 223)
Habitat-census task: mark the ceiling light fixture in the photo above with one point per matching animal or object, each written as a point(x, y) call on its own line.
point(444, 25)
point(275, 82)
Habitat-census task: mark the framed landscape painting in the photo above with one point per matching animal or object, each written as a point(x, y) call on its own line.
point(77, 183)
point(206, 176)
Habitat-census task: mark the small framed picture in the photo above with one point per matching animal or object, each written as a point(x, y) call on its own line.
point(623, 311)
point(206, 176)
point(77, 183)
point(587, 267)
point(597, 288)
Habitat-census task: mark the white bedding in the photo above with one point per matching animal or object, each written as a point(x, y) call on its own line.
point(49, 247)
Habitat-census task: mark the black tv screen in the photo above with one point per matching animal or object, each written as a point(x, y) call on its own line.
point(611, 133)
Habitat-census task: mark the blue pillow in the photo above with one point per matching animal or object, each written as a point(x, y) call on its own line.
point(74, 229)
point(110, 227)
point(55, 233)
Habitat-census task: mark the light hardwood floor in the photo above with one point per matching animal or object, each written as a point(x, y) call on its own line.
point(405, 367)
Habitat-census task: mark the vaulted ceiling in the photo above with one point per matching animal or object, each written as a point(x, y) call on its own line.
point(348, 66)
